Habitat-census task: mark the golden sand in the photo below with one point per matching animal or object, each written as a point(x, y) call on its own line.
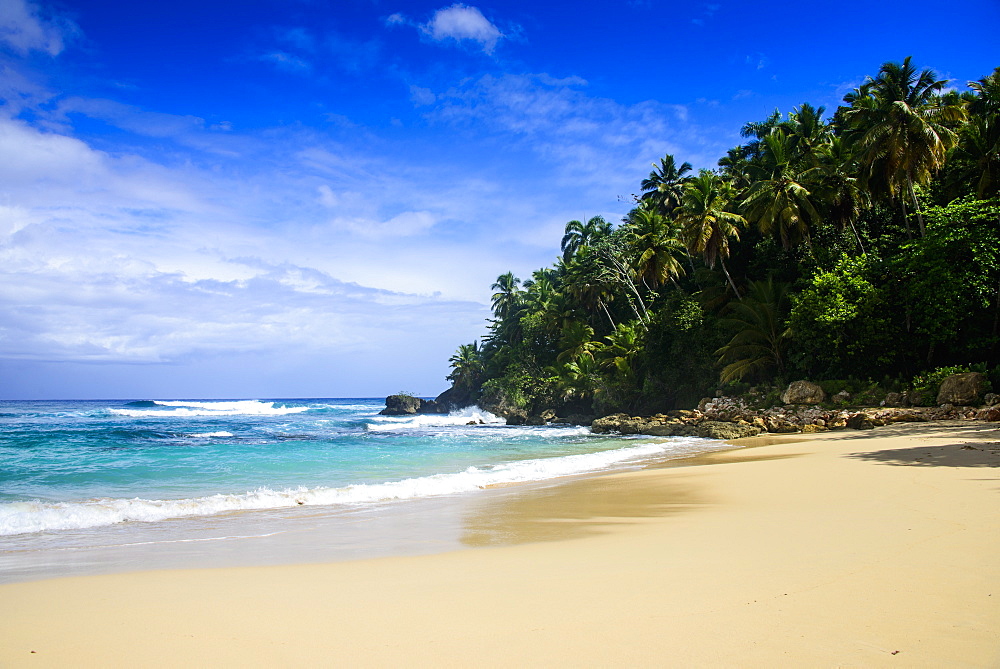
point(843, 549)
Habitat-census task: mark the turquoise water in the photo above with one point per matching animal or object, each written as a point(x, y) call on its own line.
point(69, 469)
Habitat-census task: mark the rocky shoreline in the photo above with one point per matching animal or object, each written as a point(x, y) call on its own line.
point(961, 397)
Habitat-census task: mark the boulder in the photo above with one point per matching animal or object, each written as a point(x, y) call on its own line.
point(534, 420)
point(453, 399)
point(962, 389)
point(843, 397)
point(712, 429)
point(860, 421)
point(401, 405)
point(803, 392)
point(991, 399)
point(896, 400)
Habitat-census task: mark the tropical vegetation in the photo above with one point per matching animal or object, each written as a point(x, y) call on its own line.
point(863, 244)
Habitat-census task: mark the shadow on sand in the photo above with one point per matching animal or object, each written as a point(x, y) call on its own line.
point(977, 445)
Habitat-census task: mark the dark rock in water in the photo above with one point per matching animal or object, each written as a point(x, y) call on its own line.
point(406, 405)
point(712, 429)
point(962, 389)
point(803, 392)
point(453, 399)
point(534, 420)
point(860, 421)
point(580, 419)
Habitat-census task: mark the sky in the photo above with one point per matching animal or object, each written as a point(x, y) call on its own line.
point(303, 198)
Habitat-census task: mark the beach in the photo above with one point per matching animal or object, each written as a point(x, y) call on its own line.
point(847, 548)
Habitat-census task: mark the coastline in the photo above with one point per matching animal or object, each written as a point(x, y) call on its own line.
point(839, 548)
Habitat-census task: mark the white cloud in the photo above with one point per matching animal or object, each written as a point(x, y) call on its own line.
point(461, 22)
point(23, 30)
point(286, 61)
point(422, 96)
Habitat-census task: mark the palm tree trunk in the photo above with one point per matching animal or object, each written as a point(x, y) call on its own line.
point(916, 205)
point(906, 218)
point(726, 270)
point(608, 314)
point(857, 236)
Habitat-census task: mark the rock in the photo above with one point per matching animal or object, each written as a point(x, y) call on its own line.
point(454, 399)
point(606, 424)
point(712, 429)
point(401, 405)
point(803, 392)
point(991, 399)
point(962, 389)
point(843, 397)
point(809, 428)
point(534, 420)
point(896, 400)
point(990, 414)
point(580, 419)
point(860, 421)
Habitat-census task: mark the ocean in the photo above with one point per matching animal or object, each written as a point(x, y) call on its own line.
point(92, 486)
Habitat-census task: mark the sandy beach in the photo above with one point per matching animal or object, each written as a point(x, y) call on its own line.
point(859, 549)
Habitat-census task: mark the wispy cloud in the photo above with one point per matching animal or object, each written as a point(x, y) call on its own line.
point(24, 29)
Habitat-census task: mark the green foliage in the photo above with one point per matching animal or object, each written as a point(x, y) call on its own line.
point(839, 322)
point(927, 385)
point(827, 281)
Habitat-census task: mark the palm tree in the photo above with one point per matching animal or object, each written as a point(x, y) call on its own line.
point(466, 366)
point(899, 122)
point(761, 336)
point(507, 299)
point(665, 185)
point(836, 186)
point(577, 342)
point(581, 235)
point(655, 244)
point(977, 155)
point(778, 201)
point(708, 222)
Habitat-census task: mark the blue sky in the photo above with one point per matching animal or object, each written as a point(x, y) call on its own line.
point(303, 198)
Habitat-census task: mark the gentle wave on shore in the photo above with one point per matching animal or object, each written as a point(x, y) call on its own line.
point(73, 468)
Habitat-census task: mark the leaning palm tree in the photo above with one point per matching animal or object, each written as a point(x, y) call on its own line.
point(579, 236)
point(900, 125)
point(708, 221)
point(664, 187)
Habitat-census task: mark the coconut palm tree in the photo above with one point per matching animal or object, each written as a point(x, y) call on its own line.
point(900, 125)
point(778, 200)
point(665, 185)
point(654, 244)
point(507, 299)
point(579, 235)
point(707, 220)
point(977, 155)
point(466, 366)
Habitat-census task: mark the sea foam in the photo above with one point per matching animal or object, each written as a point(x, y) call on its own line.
point(181, 409)
point(37, 516)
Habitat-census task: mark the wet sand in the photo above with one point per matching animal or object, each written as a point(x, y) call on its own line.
point(841, 549)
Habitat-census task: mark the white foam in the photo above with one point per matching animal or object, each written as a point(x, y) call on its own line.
point(176, 409)
point(211, 434)
point(37, 516)
point(429, 420)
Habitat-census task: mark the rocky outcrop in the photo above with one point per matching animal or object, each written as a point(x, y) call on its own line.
point(963, 389)
point(405, 405)
point(454, 398)
point(803, 392)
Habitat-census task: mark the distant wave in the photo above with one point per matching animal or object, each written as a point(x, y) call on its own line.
point(37, 516)
point(426, 420)
point(211, 434)
point(180, 409)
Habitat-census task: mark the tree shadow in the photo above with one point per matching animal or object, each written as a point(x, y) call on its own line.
point(981, 454)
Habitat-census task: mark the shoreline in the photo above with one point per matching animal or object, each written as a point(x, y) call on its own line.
point(839, 548)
